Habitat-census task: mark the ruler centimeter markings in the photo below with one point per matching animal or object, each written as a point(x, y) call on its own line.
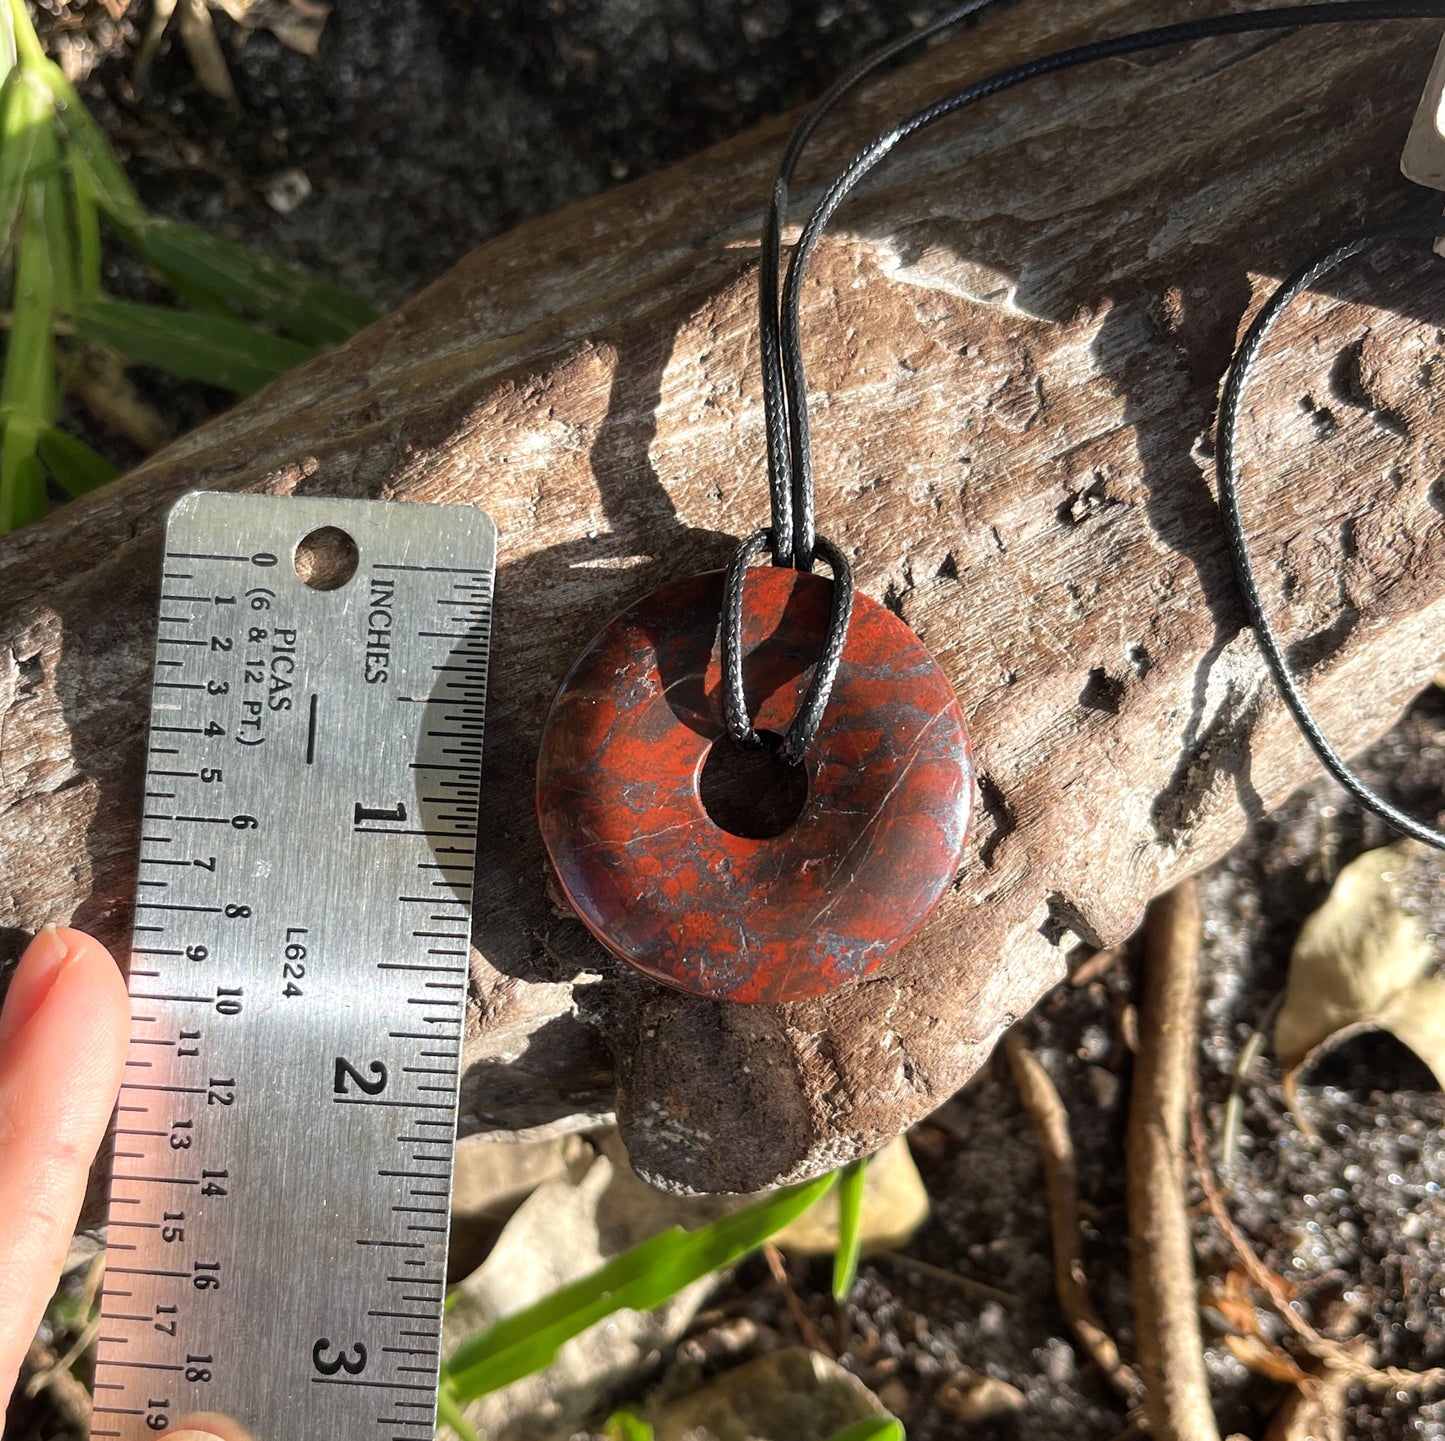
point(283, 1143)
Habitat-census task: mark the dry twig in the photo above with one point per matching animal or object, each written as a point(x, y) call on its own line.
point(1357, 1365)
point(161, 12)
point(99, 380)
point(1249, 1054)
point(67, 1394)
point(1061, 1177)
point(1096, 967)
point(203, 48)
point(55, 1376)
point(948, 1277)
point(813, 1338)
point(1171, 1350)
point(198, 36)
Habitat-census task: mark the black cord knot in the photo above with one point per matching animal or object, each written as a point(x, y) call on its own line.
point(805, 723)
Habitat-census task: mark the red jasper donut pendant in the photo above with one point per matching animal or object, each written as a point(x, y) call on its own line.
point(732, 917)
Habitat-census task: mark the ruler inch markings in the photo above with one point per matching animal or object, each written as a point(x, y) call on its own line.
point(282, 1011)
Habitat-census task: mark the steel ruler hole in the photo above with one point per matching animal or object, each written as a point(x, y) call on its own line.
point(326, 558)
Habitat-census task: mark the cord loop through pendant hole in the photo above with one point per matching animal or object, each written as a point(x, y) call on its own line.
point(748, 791)
point(326, 558)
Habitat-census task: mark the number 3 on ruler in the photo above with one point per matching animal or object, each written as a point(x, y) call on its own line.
point(353, 1365)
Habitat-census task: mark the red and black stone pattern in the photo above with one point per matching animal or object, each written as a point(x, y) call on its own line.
point(890, 790)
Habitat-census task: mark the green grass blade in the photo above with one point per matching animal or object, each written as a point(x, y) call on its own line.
point(876, 1428)
point(92, 162)
point(198, 297)
point(638, 1279)
point(24, 111)
point(22, 477)
point(75, 466)
point(87, 236)
point(850, 1227)
point(27, 391)
point(22, 37)
point(251, 284)
point(29, 385)
point(89, 150)
point(213, 349)
point(625, 1426)
point(60, 239)
point(7, 42)
point(449, 1413)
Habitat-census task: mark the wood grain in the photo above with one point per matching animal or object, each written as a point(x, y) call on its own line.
point(1015, 341)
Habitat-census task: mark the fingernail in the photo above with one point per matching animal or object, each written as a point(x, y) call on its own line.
point(33, 980)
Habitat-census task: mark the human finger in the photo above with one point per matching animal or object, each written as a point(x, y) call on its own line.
point(64, 1031)
point(208, 1426)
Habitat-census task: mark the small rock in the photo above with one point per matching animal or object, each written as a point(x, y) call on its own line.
point(725, 1342)
point(491, 1180)
point(980, 1398)
point(491, 1177)
point(288, 191)
point(84, 1248)
point(895, 1395)
point(1106, 1086)
point(792, 1395)
point(895, 1205)
point(560, 1233)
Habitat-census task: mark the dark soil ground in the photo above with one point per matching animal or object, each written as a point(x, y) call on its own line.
point(426, 126)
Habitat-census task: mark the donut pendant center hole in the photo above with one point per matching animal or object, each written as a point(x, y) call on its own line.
point(749, 792)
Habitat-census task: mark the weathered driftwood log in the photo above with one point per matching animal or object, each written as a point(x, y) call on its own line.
point(1016, 341)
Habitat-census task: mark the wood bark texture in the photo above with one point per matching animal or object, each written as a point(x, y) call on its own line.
point(1015, 343)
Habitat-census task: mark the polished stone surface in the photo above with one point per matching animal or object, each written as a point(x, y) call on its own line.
point(753, 918)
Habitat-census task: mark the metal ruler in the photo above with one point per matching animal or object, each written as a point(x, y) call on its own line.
point(284, 1137)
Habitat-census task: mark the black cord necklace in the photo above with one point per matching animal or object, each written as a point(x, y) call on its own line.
point(875, 729)
point(1227, 469)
